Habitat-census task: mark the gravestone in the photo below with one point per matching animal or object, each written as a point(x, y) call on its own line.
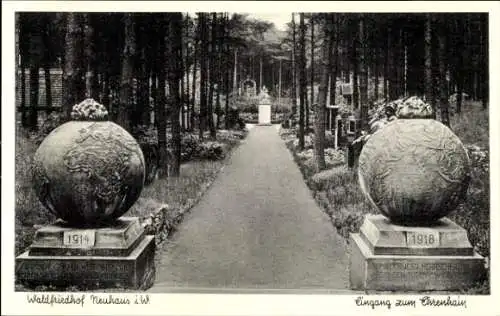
point(264, 107)
point(89, 172)
point(414, 171)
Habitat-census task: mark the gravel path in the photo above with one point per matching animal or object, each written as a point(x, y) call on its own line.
point(257, 227)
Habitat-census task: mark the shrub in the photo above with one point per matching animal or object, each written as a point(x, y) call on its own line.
point(189, 146)
point(211, 150)
point(29, 210)
point(349, 218)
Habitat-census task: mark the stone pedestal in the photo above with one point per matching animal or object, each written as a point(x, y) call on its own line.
point(388, 257)
point(117, 256)
point(264, 114)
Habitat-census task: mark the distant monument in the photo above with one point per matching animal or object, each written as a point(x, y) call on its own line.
point(89, 172)
point(264, 107)
point(415, 172)
point(249, 88)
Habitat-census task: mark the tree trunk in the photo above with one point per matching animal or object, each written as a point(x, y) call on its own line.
point(428, 84)
point(484, 58)
point(392, 67)
point(334, 59)
point(302, 79)
point(364, 74)
point(235, 75)
point(193, 88)
point(46, 62)
point(218, 64)
point(174, 56)
point(355, 68)
point(227, 60)
point(461, 57)
point(279, 83)
point(212, 77)
point(91, 82)
point(182, 101)
point(23, 52)
point(203, 72)
point(143, 106)
point(34, 89)
point(319, 122)
point(376, 72)
point(73, 70)
point(260, 74)
point(127, 75)
point(445, 118)
point(160, 101)
point(188, 88)
point(294, 68)
point(386, 66)
point(312, 59)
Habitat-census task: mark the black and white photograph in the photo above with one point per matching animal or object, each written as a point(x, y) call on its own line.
point(278, 149)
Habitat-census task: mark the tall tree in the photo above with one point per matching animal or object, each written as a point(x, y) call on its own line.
point(193, 90)
point(160, 100)
point(294, 67)
point(47, 58)
point(386, 64)
point(443, 86)
point(175, 71)
point(428, 61)
point(302, 79)
point(363, 83)
point(334, 57)
point(320, 110)
point(23, 52)
point(127, 74)
point(203, 71)
point(355, 62)
point(91, 80)
point(312, 58)
point(460, 58)
point(73, 84)
point(227, 62)
point(484, 58)
point(212, 78)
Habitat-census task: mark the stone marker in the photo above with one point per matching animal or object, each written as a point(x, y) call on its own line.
point(89, 172)
point(414, 171)
point(264, 108)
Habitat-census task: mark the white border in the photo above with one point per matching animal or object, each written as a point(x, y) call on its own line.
point(233, 304)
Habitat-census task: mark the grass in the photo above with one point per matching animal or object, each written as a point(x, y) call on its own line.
point(337, 191)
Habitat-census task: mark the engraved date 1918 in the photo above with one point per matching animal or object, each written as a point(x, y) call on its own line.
point(422, 239)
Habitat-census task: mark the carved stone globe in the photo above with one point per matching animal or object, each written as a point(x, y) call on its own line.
point(89, 172)
point(414, 171)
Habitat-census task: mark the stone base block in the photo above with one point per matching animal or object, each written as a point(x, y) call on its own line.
point(411, 272)
point(135, 271)
point(58, 239)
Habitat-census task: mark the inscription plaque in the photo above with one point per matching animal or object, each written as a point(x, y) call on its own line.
point(79, 238)
point(422, 239)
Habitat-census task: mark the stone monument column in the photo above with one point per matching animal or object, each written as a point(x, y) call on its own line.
point(414, 171)
point(264, 107)
point(89, 172)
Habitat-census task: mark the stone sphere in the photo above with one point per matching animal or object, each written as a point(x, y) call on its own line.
point(414, 171)
point(88, 173)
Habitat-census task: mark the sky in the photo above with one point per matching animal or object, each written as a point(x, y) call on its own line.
point(279, 19)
